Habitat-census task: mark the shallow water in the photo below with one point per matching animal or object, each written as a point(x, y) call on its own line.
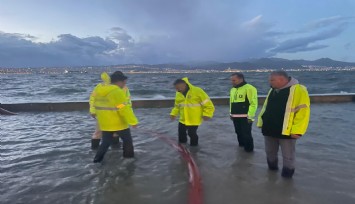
point(46, 158)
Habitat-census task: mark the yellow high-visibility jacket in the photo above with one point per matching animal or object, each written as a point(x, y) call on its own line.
point(243, 101)
point(128, 95)
point(106, 81)
point(193, 107)
point(112, 109)
point(297, 111)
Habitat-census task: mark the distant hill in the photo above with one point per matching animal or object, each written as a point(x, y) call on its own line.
point(273, 63)
point(325, 62)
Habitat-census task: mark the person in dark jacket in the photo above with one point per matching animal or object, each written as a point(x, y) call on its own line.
point(283, 119)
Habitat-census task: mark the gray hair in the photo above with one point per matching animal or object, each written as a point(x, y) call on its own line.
point(280, 73)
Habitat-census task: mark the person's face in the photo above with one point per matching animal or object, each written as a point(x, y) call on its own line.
point(277, 82)
point(181, 87)
point(235, 80)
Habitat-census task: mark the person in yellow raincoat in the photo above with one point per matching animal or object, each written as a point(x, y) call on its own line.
point(193, 106)
point(97, 135)
point(283, 119)
point(114, 115)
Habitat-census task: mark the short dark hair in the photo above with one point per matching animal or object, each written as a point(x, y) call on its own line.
point(118, 76)
point(179, 81)
point(239, 75)
point(118, 73)
point(280, 73)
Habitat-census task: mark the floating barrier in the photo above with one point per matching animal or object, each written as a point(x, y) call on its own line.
point(155, 103)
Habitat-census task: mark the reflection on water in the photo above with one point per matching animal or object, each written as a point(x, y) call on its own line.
point(46, 158)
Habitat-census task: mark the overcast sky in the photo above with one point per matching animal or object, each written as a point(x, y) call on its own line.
point(104, 32)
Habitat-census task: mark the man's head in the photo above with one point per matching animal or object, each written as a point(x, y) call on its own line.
point(278, 79)
point(180, 85)
point(237, 78)
point(119, 79)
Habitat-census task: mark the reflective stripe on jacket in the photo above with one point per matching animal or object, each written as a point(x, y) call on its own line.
point(193, 107)
point(297, 112)
point(243, 101)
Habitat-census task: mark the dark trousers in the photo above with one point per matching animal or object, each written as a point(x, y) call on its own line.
point(243, 129)
point(191, 131)
point(107, 139)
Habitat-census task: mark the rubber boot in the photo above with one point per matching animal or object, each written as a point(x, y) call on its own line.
point(194, 141)
point(95, 143)
point(249, 149)
point(287, 173)
point(115, 143)
point(128, 150)
point(98, 159)
point(273, 165)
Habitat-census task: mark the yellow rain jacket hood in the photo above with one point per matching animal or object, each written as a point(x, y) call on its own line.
point(105, 78)
point(193, 107)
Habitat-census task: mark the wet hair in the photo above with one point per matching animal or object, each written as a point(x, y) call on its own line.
point(238, 74)
point(179, 81)
point(117, 76)
point(280, 73)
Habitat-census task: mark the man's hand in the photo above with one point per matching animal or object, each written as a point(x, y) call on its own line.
point(93, 115)
point(134, 126)
point(172, 117)
point(205, 118)
point(295, 136)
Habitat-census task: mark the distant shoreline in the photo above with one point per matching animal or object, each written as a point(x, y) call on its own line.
point(155, 71)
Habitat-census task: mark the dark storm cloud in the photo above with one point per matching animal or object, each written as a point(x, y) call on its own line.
point(305, 43)
point(312, 33)
point(18, 50)
point(160, 31)
point(326, 22)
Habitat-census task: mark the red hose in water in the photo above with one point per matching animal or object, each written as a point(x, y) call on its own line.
point(195, 191)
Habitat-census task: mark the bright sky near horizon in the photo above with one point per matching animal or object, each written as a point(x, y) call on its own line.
point(104, 32)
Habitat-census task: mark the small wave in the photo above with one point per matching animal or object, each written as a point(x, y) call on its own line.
point(22, 94)
point(146, 92)
point(158, 96)
point(66, 90)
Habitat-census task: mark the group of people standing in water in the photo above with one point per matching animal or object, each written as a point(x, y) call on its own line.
point(283, 118)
